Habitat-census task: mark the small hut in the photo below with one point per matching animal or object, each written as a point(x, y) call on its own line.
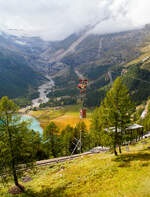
point(135, 131)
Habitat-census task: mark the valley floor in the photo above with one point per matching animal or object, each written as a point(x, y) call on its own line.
point(99, 175)
point(61, 116)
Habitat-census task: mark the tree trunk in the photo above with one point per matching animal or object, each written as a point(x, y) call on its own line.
point(13, 159)
point(15, 176)
point(15, 173)
point(115, 152)
point(120, 150)
point(115, 140)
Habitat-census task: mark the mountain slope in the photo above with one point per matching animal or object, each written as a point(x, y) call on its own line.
point(87, 54)
point(95, 55)
point(16, 76)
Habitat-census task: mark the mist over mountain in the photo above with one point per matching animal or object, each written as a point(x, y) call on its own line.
point(54, 20)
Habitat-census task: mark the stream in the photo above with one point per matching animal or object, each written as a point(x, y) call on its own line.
point(43, 90)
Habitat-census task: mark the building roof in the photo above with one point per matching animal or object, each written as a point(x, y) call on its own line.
point(112, 129)
point(134, 126)
point(131, 127)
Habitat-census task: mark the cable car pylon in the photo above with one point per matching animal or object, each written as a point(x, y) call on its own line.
point(82, 86)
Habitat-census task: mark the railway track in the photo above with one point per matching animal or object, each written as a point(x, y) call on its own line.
point(63, 159)
point(59, 160)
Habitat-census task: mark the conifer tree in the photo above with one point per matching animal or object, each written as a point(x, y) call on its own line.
point(115, 112)
point(96, 128)
point(16, 141)
point(52, 140)
point(67, 138)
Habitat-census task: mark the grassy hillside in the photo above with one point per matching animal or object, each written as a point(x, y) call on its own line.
point(100, 175)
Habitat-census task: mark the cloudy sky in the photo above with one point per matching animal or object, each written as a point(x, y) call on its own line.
point(56, 19)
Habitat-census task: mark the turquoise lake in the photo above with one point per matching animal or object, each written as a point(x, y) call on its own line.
point(35, 125)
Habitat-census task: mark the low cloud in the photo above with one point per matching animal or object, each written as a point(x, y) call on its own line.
point(55, 20)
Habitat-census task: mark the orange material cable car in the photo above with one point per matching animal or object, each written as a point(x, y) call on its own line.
point(82, 86)
point(82, 113)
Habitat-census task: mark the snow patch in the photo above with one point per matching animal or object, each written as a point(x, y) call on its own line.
point(20, 42)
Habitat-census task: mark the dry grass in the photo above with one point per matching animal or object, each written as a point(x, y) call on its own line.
point(63, 121)
point(62, 117)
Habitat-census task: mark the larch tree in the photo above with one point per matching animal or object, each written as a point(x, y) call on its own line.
point(115, 114)
point(96, 128)
point(16, 141)
point(67, 137)
point(52, 140)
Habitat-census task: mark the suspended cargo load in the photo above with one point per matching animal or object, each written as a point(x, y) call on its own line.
point(82, 113)
point(82, 87)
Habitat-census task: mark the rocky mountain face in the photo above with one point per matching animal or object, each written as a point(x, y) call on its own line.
point(93, 56)
point(83, 53)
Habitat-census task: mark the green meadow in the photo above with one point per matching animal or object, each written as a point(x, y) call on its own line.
point(97, 175)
